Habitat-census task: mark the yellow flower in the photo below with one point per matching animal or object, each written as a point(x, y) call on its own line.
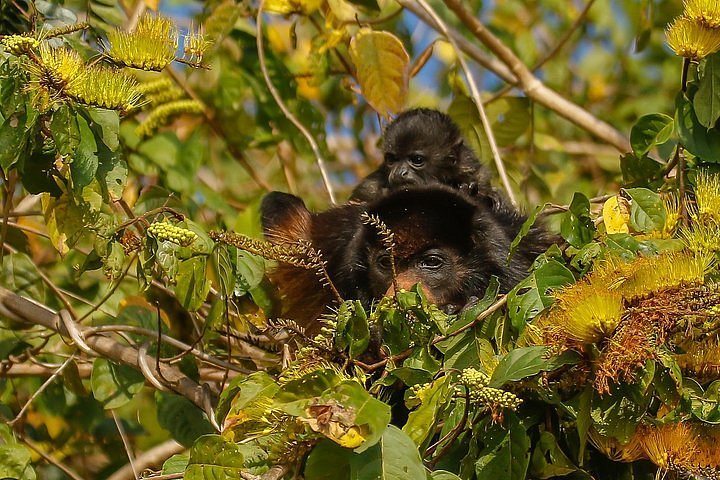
point(58, 66)
point(586, 312)
point(704, 12)
point(105, 87)
point(707, 195)
point(195, 46)
point(163, 114)
point(151, 46)
point(691, 40)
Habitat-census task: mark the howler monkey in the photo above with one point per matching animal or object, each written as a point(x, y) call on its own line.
point(442, 237)
point(424, 146)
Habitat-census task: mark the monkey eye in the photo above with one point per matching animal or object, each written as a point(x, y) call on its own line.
point(417, 160)
point(384, 262)
point(431, 261)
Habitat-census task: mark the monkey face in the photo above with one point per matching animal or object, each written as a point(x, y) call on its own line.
point(437, 269)
point(407, 169)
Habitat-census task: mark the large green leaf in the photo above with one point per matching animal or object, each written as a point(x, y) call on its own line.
point(328, 461)
point(577, 227)
point(694, 136)
point(650, 130)
point(647, 213)
point(114, 384)
point(394, 457)
point(15, 462)
point(520, 363)
point(211, 457)
point(192, 286)
point(179, 416)
point(706, 101)
point(507, 451)
point(85, 161)
point(421, 421)
point(532, 295)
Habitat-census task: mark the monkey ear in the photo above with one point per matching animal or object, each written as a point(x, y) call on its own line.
point(285, 218)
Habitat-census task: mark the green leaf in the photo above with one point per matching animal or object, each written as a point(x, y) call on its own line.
point(244, 390)
point(16, 463)
point(443, 475)
point(520, 363)
point(695, 137)
point(179, 416)
point(250, 272)
point(20, 275)
point(549, 461)
point(507, 451)
point(618, 414)
point(192, 286)
point(421, 421)
point(649, 131)
point(114, 384)
point(85, 161)
point(176, 464)
point(647, 213)
point(524, 229)
point(577, 227)
point(12, 138)
point(531, 295)
point(706, 101)
point(328, 461)
point(352, 329)
point(211, 457)
point(638, 170)
point(394, 457)
point(65, 132)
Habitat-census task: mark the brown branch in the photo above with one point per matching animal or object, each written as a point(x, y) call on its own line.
point(37, 448)
point(485, 314)
point(511, 70)
point(152, 458)
point(555, 50)
point(15, 307)
point(533, 87)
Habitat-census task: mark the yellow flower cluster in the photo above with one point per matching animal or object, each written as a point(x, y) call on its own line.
point(477, 385)
point(163, 114)
point(151, 46)
point(696, 34)
point(172, 233)
point(19, 44)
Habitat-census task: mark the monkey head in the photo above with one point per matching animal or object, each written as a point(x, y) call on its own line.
point(424, 146)
point(442, 239)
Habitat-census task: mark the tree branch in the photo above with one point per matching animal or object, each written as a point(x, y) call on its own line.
point(20, 309)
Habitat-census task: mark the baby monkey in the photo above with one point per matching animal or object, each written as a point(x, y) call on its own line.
point(424, 146)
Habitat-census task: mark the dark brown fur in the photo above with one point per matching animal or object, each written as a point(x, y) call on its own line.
point(428, 222)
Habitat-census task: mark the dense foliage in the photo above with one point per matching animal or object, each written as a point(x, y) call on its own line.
point(139, 329)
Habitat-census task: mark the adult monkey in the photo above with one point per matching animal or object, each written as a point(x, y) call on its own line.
point(420, 147)
point(444, 239)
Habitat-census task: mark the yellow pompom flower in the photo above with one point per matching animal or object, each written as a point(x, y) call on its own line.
point(704, 12)
point(692, 40)
point(105, 87)
point(151, 46)
point(58, 66)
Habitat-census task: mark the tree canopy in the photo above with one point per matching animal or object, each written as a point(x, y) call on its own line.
point(140, 335)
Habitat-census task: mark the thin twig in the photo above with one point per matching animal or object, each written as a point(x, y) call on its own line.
point(41, 389)
point(125, 440)
point(555, 50)
point(34, 446)
point(55, 289)
point(452, 434)
point(15, 307)
point(485, 314)
point(134, 16)
point(111, 291)
point(288, 114)
point(510, 69)
point(475, 93)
